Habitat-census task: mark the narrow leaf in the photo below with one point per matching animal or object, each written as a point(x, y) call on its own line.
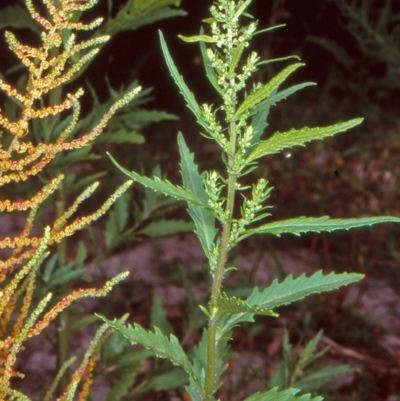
point(262, 93)
point(299, 225)
point(294, 137)
point(282, 395)
point(321, 377)
point(197, 38)
point(210, 72)
point(117, 220)
point(202, 218)
point(242, 7)
point(163, 186)
point(158, 317)
point(121, 136)
point(291, 290)
point(162, 228)
point(187, 94)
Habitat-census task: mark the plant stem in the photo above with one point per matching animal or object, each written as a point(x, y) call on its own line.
point(212, 345)
point(63, 317)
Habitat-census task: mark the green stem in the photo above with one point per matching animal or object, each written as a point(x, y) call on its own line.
point(212, 345)
point(63, 351)
point(63, 317)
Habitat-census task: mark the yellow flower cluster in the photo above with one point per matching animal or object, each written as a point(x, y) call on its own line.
point(48, 68)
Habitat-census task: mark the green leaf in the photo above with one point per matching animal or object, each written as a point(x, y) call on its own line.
point(242, 7)
point(162, 228)
point(197, 38)
point(81, 255)
point(210, 72)
point(308, 355)
point(282, 395)
point(320, 378)
point(163, 186)
point(277, 97)
point(266, 90)
point(17, 17)
point(79, 324)
point(202, 218)
point(148, 6)
point(121, 136)
point(156, 342)
point(65, 274)
point(187, 94)
point(291, 290)
point(135, 14)
point(299, 225)
point(117, 220)
point(50, 265)
point(173, 378)
point(158, 317)
point(85, 181)
point(236, 56)
point(125, 381)
point(235, 305)
point(294, 137)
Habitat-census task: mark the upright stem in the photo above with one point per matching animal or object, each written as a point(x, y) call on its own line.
point(219, 272)
point(63, 317)
point(62, 249)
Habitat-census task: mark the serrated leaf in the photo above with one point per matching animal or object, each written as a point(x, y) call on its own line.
point(162, 228)
point(291, 290)
point(160, 185)
point(233, 305)
point(160, 345)
point(236, 56)
point(202, 218)
point(282, 395)
point(283, 140)
point(307, 355)
point(299, 225)
point(123, 384)
point(266, 90)
point(187, 94)
point(277, 97)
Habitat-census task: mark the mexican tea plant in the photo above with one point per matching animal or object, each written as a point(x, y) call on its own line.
point(237, 124)
point(26, 157)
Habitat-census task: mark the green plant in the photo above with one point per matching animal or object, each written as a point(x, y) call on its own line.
point(237, 125)
point(37, 129)
point(300, 371)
